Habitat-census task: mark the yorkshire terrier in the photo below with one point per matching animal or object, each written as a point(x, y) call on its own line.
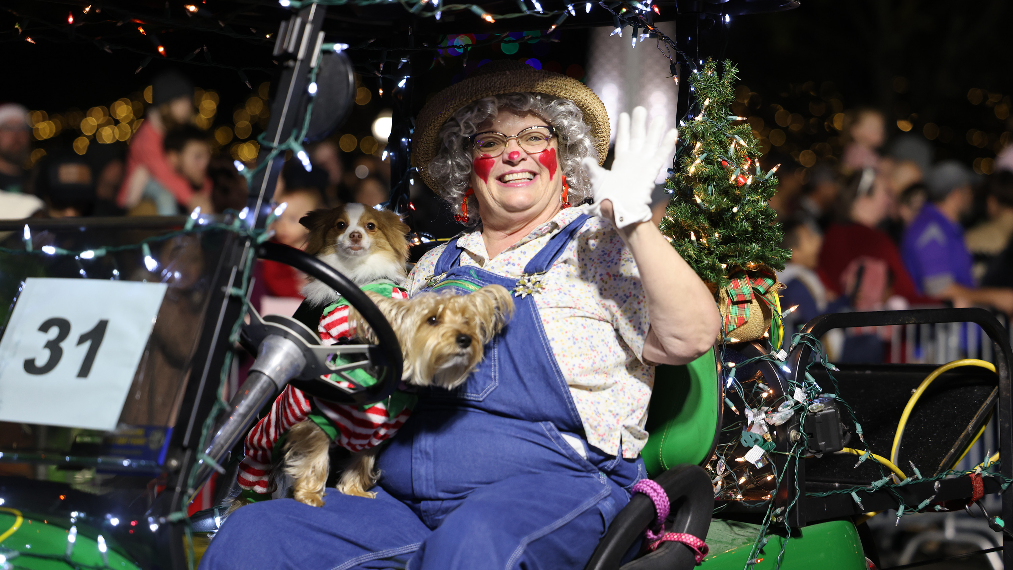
point(442, 337)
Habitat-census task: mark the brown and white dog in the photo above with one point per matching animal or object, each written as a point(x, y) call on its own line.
point(364, 244)
point(442, 336)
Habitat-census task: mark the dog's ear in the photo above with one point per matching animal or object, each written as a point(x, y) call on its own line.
point(396, 311)
point(493, 306)
point(318, 222)
point(395, 231)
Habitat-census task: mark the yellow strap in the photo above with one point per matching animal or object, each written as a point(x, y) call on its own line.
point(895, 450)
point(879, 458)
point(17, 523)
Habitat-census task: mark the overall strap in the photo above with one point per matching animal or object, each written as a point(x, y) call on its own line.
point(544, 259)
point(450, 258)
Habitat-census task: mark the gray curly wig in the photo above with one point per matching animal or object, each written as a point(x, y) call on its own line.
point(453, 162)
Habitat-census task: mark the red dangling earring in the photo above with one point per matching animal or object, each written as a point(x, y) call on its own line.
point(566, 192)
point(463, 216)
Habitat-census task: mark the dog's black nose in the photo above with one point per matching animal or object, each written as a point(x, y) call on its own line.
point(463, 340)
point(355, 236)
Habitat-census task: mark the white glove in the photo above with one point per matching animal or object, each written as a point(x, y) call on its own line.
point(640, 155)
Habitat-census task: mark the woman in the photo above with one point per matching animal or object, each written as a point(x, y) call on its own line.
point(528, 463)
point(172, 107)
point(855, 242)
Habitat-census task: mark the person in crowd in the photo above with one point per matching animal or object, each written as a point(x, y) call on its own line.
point(108, 166)
point(17, 206)
point(371, 191)
point(293, 175)
point(803, 287)
point(910, 203)
point(934, 249)
point(327, 156)
point(914, 149)
point(816, 204)
point(228, 187)
point(282, 280)
point(865, 132)
point(855, 241)
point(1004, 160)
point(987, 239)
point(66, 184)
point(188, 153)
point(528, 462)
point(172, 107)
point(364, 166)
point(15, 147)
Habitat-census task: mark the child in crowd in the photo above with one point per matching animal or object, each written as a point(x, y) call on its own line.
point(187, 152)
point(281, 283)
point(866, 132)
point(802, 285)
point(172, 107)
point(371, 191)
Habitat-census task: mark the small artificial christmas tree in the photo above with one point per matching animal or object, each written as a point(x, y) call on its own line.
point(718, 218)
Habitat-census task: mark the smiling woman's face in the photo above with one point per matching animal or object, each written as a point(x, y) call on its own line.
point(516, 182)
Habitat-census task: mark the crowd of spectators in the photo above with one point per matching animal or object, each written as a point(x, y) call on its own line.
point(874, 230)
point(167, 169)
point(891, 230)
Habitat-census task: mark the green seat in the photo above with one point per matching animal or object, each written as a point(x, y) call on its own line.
point(685, 415)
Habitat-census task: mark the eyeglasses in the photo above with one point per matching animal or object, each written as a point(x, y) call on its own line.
point(531, 140)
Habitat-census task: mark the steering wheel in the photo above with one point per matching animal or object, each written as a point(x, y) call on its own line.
point(382, 361)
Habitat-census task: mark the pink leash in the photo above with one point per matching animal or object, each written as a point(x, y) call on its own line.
point(657, 535)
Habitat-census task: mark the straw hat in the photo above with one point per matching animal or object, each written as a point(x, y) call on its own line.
point(497, 78)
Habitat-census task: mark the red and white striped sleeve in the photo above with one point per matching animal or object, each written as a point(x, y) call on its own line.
point(357, 429)
point(288, 409)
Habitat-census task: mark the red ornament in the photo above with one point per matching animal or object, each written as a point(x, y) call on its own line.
point(724, 163)
point(740, 180)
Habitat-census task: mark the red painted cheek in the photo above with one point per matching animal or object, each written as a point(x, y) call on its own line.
point(483, 166)
point(548, 159)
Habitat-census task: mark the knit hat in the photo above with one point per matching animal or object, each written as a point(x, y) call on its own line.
point(945, 177)
point(13, 111)
point(498, 78)
point(170, 85)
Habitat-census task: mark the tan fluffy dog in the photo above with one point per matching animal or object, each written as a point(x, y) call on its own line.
point(442, 337)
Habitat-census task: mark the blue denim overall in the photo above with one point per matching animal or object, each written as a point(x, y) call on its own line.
point(478, 478)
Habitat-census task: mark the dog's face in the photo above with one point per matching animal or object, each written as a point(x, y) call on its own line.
point(354, 231)
point(443, 336)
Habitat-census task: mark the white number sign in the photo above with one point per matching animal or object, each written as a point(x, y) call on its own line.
point(70, 351)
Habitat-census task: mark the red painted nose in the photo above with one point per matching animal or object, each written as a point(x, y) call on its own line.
point(514, 155)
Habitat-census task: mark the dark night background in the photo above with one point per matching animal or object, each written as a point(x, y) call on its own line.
point(938, 68)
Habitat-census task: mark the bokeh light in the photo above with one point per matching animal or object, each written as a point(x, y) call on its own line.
point(81, 145)
point(123, 132)
point(363, 96)
point(347, 143)
point(368, 144)
point(223, 135)
point(243, 129)
point(89, 125)
point(106, 135)
point(382, 125)
point(254, 105)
